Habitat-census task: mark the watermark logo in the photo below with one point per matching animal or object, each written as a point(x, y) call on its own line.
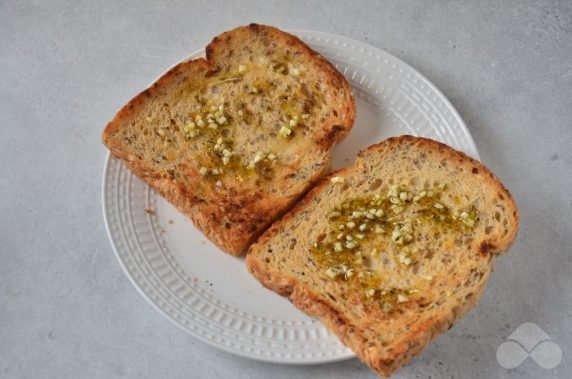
point(528, 340)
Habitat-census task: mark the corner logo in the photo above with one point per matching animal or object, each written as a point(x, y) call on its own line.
point(528, 340)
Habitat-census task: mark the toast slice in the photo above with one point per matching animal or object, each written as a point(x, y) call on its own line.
point(235, 139)
point(390, 253)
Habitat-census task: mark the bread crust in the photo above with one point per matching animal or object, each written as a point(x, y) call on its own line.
point(350, 333)
point(232, 222)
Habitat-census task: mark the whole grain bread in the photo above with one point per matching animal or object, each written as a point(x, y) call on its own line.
point(235, 139)
point(390, 253)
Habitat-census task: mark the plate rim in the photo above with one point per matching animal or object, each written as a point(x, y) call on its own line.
point(420, 75)
point(165, 315)
point(270, 359)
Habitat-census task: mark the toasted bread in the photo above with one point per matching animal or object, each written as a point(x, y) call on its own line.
point(235, 139)
point(391, 252)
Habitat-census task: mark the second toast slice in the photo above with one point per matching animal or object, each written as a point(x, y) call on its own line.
point(392, 252)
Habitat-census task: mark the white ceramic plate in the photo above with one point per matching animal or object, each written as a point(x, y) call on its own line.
point(210, 294)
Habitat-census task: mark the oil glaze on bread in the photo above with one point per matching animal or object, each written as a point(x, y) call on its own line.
point(235, 139)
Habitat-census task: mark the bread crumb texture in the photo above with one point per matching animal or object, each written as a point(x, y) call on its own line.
point(234, 139)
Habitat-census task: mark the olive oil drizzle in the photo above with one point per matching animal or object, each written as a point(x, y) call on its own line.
point(359, 227)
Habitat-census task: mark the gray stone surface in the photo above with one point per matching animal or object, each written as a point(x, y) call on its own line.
point(66, 308)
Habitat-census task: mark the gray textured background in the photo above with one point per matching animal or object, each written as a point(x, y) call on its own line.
point(66, 308)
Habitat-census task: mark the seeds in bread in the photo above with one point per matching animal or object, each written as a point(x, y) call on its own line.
point(391, 252)
point(234, 139)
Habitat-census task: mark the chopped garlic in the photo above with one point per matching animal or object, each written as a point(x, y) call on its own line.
point(203, 171)
point(349, 273)
point(334, 271)
point(258, 157)
point(241, 68)
point(337, 179)
point(404, 259)
point(285, 132)
point(402, 233)
point(351, 245)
